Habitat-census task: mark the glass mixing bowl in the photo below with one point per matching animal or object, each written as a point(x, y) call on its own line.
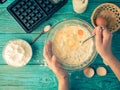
point(73, 22)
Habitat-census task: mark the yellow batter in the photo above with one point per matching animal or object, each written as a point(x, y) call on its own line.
point(67, 45)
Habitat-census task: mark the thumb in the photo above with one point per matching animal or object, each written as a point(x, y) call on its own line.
point(54, 60)
point(55, 63)
point(94, 31)
point(107, 36)
point(99, 37)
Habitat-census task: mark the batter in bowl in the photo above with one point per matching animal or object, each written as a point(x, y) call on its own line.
point(67, 45)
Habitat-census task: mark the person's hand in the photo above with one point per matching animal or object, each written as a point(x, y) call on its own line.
point(52, 62)
point(103, 45)
point(103, 41)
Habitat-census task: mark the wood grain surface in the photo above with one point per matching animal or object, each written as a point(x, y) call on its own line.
point(36, 76)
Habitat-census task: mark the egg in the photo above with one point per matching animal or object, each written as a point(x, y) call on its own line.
point(101, 71)
point(89, 72)
point(100, 21)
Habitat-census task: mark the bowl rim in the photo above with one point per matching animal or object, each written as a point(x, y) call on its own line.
point(92, 58)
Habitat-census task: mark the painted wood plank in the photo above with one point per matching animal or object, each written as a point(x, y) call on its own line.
point(38, 45)
point(9, 25)
point(31, 77)
point(36, 77)
point(44, 79)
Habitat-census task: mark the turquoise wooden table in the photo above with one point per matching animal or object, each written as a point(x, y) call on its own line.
point(36, 76)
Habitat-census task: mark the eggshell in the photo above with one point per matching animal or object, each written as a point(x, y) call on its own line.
point(89, 72)
point(101, 71)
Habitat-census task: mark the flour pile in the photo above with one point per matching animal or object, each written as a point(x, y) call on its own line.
point(17, 53)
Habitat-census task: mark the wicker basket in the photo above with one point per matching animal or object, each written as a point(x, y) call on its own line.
point(111, 13)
